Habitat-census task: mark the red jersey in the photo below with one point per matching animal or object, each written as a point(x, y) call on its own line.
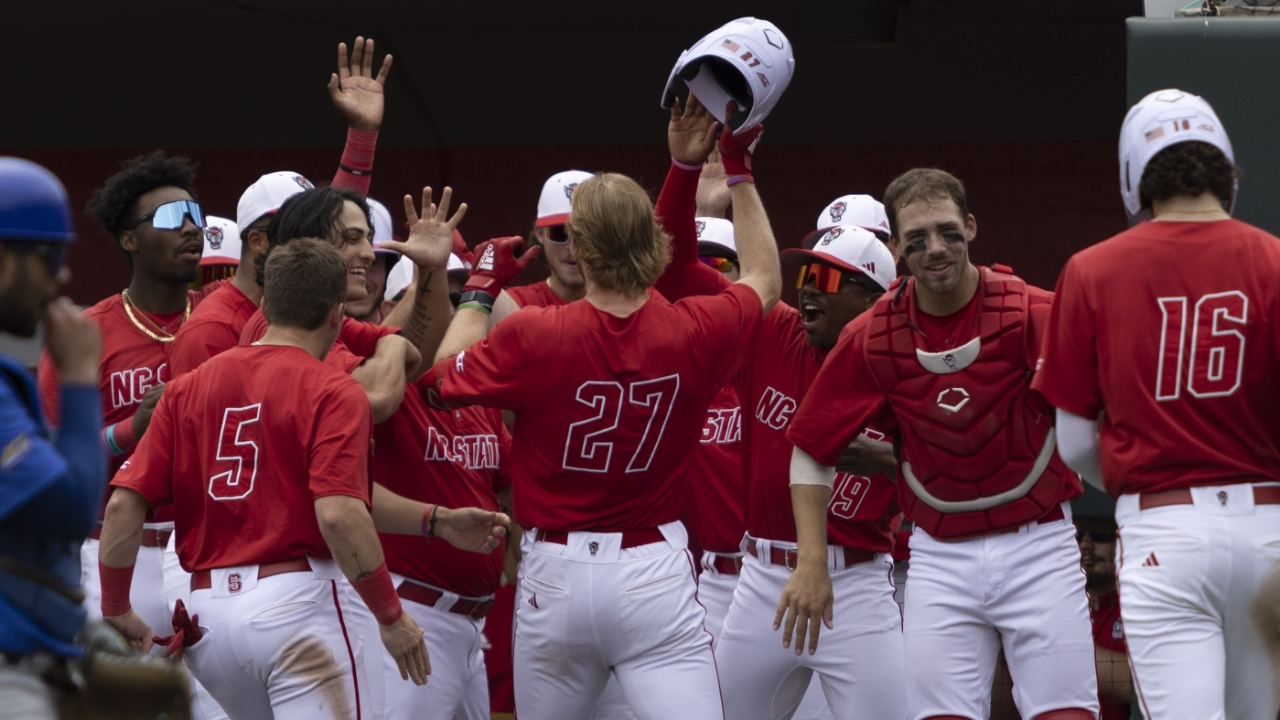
point(714, 507)
point(243, 445)
point(212, 328)
point(132, 363)
point(356, 341)
point(538, 294)
point(1173, 329)
point(779, 377)
point(1108, 632)
point(457, 458)
point(608, 409)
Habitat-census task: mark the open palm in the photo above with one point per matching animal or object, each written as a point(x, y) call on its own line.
point(431, 233)
point(355, 90)
point(691, 135)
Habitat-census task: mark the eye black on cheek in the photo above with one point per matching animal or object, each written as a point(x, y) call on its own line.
point(953, 237)
point(913, 248)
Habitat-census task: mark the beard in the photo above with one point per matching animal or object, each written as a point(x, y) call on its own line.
point(19, 310)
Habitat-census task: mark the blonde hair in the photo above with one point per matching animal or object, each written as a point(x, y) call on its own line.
point(619, 243)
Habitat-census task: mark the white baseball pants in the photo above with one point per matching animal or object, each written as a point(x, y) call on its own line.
point(287, 647)
point(177, 586)
point(859, 662)
point(146, 595)
point(1188, 578)
point(589, 607)
point(1020, 590)
point(458, 686)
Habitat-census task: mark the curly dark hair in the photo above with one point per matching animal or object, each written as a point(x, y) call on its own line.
point(114, 205)
point(311, 213)
point(1187, 168)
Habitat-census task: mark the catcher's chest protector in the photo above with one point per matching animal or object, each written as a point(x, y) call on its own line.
point(977, 447)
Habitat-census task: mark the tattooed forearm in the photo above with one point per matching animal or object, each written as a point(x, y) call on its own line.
point(363, 573)
point(416, 329)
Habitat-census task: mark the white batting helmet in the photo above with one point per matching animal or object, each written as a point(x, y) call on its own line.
point(748, 61)
point(1161, 119)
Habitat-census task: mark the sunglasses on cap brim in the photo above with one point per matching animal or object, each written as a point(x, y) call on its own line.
point(829, 279)
point(171, 215)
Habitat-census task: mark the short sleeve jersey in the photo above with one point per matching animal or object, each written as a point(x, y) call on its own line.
point(243, 445)
point(540, 294)
point(608, 409)
point(213, 327)
point(356, 341)
point(457, 458)
point(773, 385)
point(1172, 329)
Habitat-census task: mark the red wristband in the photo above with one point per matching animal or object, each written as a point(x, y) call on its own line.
point(115, 589)
point(356, 166)
point(379, 594)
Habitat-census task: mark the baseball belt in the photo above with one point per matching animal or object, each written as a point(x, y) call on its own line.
point(786, 557)
point(1262, 495)
point(630, 538)
point(474, 608)
point(203, 579)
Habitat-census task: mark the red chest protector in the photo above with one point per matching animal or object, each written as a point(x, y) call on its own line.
point(978, 448)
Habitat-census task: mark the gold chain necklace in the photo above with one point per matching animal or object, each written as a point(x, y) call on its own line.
point(167, 337)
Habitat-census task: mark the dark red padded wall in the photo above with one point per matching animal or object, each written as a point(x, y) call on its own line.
point(1035, 203)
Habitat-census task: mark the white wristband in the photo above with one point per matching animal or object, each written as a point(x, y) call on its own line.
point(807, 471)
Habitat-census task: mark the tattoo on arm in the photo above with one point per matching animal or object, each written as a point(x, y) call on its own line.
point(416, 328)
point(363, 573)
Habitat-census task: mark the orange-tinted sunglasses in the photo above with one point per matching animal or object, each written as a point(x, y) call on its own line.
point(828, 278)
point(722, 264)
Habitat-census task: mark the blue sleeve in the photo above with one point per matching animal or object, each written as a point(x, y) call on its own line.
point(68, 506)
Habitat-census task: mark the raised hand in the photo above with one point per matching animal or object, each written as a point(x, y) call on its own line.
point(354, 89)
point(430, 234)
point(735, 150)
point(471, 528)
point(714, 197)
point(691, 134)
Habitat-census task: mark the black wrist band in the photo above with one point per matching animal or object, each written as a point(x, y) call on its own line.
point(353, 171)
point(477, 297)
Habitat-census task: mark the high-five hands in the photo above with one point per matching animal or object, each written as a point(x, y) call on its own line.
point(354, 89)
point(691, 135)
point(431, 234)
point(735, 150)
point(498, 262)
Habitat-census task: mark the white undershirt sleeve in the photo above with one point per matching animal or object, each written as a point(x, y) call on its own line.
point(807, 471)
point(1077, 444)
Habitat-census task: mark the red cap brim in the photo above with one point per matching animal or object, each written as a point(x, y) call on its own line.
point(552, 220)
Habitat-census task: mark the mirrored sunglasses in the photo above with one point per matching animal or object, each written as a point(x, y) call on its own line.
point(171, 215)
point(721, 264)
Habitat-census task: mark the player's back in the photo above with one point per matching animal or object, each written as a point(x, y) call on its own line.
point(1188, 346)
point(608, 409)
point(259, 432)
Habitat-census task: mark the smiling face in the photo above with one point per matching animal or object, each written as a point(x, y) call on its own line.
point(375, 281)
point(933, 236)
point(825, 314)
point(167, 255)
point(351, 235)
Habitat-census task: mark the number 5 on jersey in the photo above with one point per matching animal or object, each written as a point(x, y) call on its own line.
point(588, 447)
point(1216, 360)
point(238, 453)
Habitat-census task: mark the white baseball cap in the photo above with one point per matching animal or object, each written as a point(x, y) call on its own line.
point(382, 231)
point(402, 274)
point(852, 249)
point(557, 197)
point(267, 194)
point(1161, 119)
point(221, 242)
point(715, 235)
point(748, 61)
point(863, 211)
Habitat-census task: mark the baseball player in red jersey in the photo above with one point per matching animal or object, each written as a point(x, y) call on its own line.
point(1167, 335)
point(459, 458)
point(861, 672)
point(268, 554)
point(609, 396)
point(1097, 540)
point(148, 207)
point(943, 361)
